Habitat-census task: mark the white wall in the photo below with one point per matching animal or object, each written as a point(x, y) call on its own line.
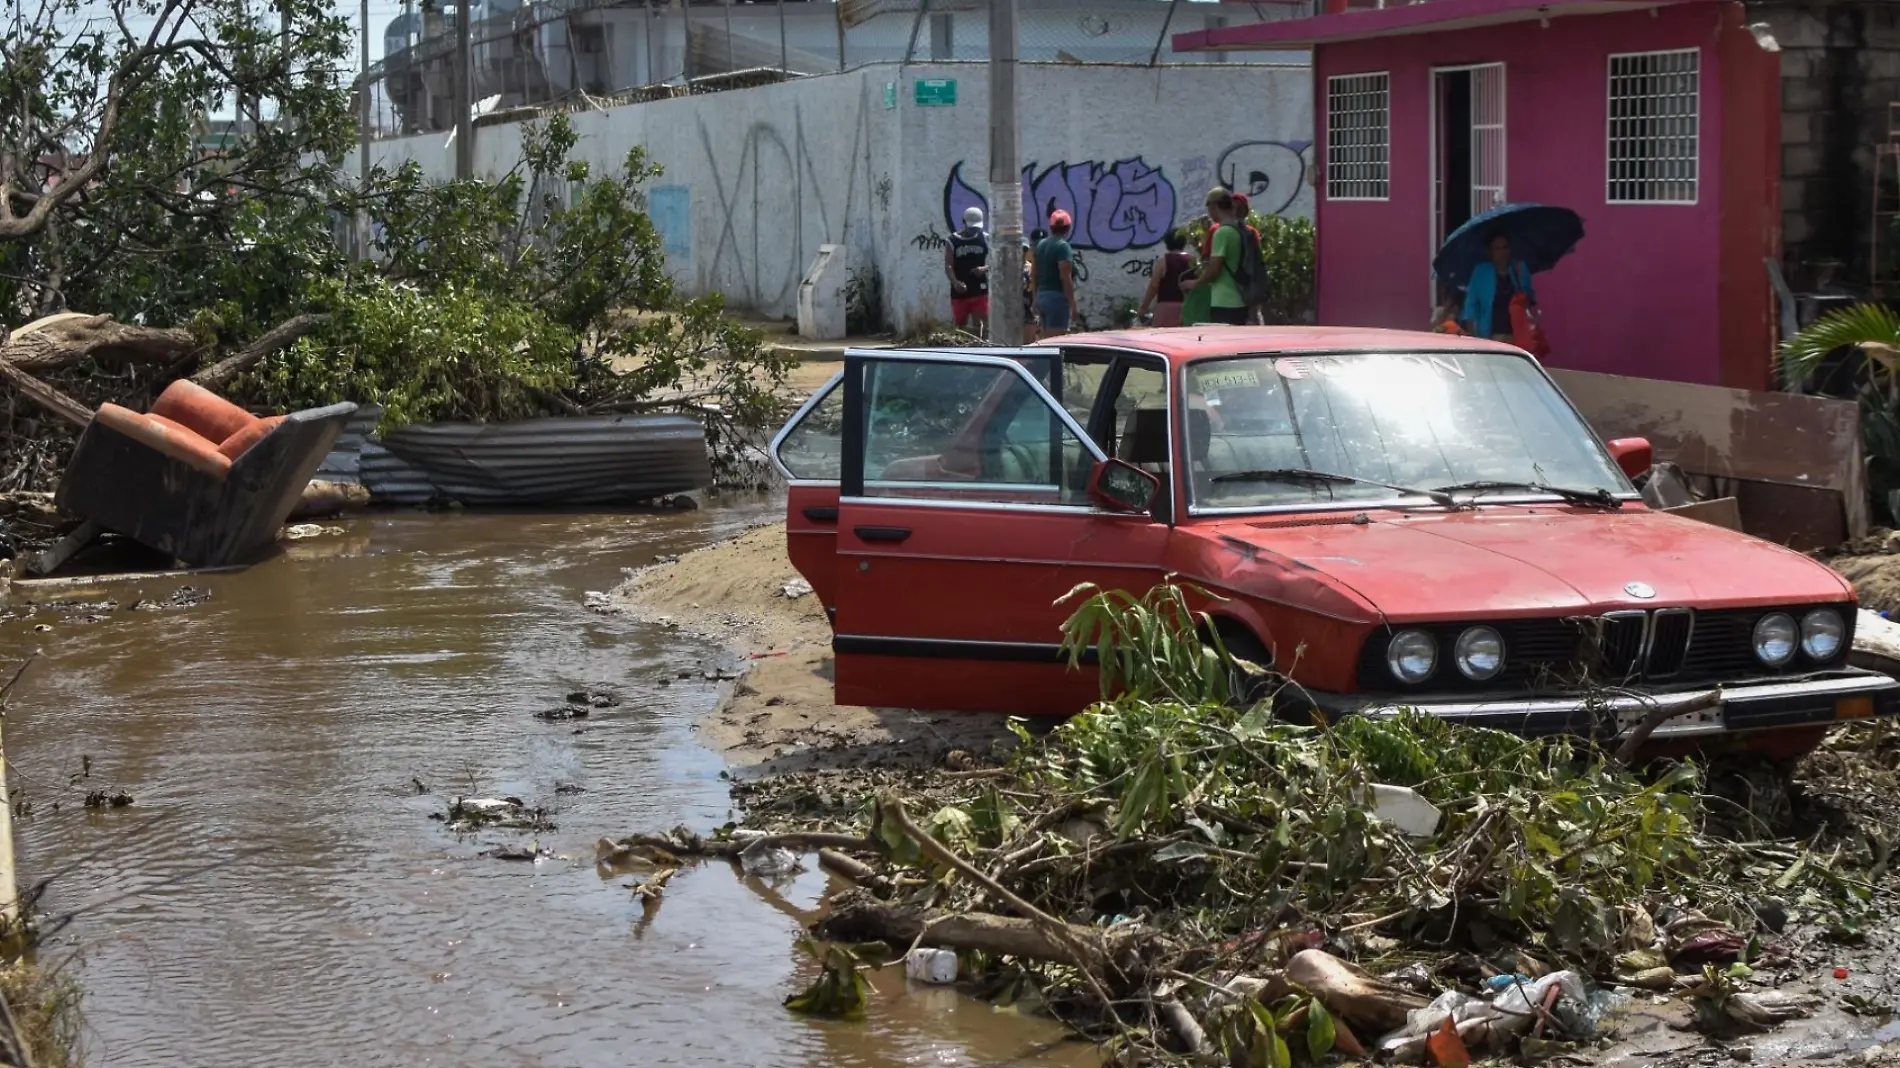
point(757, 179)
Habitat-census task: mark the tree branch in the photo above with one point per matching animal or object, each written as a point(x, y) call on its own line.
point(44, 395)
point(221, 373)
point(1663, 712)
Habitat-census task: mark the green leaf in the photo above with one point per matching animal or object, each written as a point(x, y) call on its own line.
point(1321, 1033)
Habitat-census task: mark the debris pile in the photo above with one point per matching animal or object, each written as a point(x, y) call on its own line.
point(1185, 878)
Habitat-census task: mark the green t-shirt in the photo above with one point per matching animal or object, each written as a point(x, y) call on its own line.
point(1050, 252)
point(1226, 292)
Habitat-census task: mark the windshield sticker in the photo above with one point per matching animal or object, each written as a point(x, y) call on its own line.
point(1297, 368)
point(1238, 378)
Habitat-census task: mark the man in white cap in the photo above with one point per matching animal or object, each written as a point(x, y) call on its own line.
point(966, 263)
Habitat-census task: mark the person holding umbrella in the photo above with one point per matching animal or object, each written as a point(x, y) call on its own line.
point(1493, 284)
point(1492, 258)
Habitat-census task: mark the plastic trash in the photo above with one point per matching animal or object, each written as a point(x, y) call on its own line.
point(1513, 1007)
point(935, 966)
point(1405, 809)
point(769, 863)
point(795, 589)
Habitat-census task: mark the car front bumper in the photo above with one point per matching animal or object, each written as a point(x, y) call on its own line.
point(1810, 701)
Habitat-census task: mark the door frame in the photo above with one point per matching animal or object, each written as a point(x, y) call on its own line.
point(851, 478)
point(1432, 237)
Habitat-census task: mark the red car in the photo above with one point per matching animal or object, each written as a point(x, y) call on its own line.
point(1393, 518)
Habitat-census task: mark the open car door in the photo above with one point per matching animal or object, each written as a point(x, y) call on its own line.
point(808, 452)
point(964, 516)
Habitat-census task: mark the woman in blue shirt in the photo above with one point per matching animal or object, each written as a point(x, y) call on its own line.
point(1488, 295)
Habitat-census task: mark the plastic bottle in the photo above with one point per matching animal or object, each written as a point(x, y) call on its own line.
point(935, 966)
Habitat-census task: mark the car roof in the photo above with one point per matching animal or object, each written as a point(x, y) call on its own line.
point(1181, 344)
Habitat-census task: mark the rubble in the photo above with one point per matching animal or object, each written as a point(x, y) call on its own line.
point(1171, 877)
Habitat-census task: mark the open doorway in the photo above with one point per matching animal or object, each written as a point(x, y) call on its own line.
point(1467, 148)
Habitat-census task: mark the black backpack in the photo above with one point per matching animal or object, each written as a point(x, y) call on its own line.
point(1250, 274)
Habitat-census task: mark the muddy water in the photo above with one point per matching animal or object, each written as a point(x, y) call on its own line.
point(278, 894)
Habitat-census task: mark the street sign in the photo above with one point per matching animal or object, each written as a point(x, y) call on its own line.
point(890, 96)
point(936, 92)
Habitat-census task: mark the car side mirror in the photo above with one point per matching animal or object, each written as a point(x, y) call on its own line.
point(1633, 455)
point(1120, 486)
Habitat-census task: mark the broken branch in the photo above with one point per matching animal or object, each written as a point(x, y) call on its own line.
point(44, 395)
point(217, 375)
point(1661, 713)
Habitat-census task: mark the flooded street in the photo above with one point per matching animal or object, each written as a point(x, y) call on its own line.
point(278, 894)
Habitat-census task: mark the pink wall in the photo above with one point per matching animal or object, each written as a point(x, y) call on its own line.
point(1639, 295)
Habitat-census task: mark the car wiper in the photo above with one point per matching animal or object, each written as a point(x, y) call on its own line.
point(1596, 496)
point(1308, 474)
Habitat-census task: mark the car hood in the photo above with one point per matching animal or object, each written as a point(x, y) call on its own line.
point(1506, 561)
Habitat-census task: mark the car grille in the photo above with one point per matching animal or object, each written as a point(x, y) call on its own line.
point(1665, 645)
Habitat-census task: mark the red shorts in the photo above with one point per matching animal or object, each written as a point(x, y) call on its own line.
point(962, 308)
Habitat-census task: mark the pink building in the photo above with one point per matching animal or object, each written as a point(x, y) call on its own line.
point(1658, 121)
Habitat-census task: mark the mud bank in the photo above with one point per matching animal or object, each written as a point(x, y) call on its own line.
point(778, 714)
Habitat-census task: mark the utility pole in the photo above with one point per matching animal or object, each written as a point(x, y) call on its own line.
point(362, 155)
point(464, 94)
point(1006, 182)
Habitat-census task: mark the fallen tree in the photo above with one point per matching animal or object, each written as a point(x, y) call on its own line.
point(134, 257)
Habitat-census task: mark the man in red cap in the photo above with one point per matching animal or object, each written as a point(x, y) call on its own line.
point(1054, 275)
point(1255, 263)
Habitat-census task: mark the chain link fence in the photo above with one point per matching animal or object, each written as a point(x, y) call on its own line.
point(588, 53)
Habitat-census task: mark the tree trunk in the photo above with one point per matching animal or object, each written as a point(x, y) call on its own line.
point(69, 337)
point(859, 917)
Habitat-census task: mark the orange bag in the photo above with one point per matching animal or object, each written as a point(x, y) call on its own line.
point(240, 443)
point(1526, 331)
point(206, 413)
point(167, 437)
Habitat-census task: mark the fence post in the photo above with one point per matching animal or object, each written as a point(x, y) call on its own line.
point(838, 12)
point(1166, 21)
point(910, 50)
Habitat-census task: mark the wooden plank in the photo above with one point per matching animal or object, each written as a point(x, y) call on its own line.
point(80, 582)
point(1723, 512)
point(47, 562)
point(1780, 438)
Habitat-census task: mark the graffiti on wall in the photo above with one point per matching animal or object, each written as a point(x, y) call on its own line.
point(671, 209)
point(1131, 204)
point(1116, 206)
point(775, 196)
point(1271, 173)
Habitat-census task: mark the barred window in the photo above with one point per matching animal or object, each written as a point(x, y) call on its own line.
point(1358, 144)
point(1655, 105)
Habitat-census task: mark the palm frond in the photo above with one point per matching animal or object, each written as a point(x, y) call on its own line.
point(1861, 324)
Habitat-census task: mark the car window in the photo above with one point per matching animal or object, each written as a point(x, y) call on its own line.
point(813, 449)
point(1082, 376)
point(1421, 420)
point(967, 432)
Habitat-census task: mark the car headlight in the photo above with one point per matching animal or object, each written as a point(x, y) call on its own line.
point(1822, 633)
point(1775, 639)
point(1479, 653)
point(1412, 655)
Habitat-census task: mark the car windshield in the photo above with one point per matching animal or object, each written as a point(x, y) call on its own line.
point(1269, 431)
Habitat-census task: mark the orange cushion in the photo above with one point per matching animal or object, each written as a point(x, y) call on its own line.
point(165, 436)
point(240, 443)
point(204, 412)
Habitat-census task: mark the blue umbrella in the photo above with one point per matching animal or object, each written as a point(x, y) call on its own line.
point(1540, 236)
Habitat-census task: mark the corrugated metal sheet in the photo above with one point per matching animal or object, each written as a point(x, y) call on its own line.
point(580, 460)
point(392, 480)
point(343, 461)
